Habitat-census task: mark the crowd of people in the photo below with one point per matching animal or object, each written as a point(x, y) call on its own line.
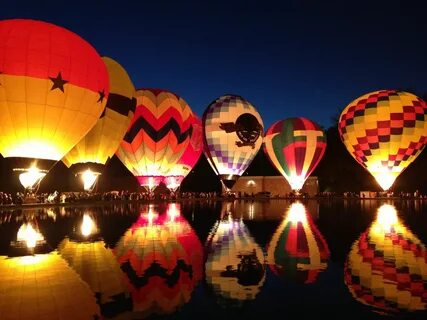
point(19, 198)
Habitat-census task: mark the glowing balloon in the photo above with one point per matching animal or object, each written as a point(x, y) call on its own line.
point(386, 268)
point(157, 136)
point(232, 132)
point(53, 88)
point(235, 262)
point(90, 155)
point(162, 258)
point(297, 250)
point(384, 131)
point(295, 146)
point(188, 159)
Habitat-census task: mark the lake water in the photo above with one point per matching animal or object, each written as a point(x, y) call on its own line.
point(363, 259)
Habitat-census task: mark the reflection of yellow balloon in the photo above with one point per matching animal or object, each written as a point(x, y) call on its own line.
point(96, 265)
point(384, 131)
point(387, 266)
point(43, 287)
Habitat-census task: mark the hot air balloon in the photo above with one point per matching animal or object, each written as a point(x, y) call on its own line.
point(90, 155)
point(53, 88)
point(235, 262)
point(384, 131)
point(96, 264)
point(386, 268)
point(295, 146)
point(188, 159)
point(297, 251)
point(162, 258)
point(157, 136)
point(232, 133)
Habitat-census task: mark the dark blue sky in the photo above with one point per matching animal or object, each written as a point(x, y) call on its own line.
point(289, 58)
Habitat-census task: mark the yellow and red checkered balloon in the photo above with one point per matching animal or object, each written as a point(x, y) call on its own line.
point(384, 131)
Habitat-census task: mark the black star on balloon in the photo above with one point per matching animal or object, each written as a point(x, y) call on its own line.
point(101, 96)
point(58, 82)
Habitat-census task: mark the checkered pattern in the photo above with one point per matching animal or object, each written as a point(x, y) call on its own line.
point(383, 267)
point(225, 157)
point(228, 240)
point(384, 129)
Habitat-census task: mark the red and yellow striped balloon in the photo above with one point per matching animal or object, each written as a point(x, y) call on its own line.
point(157, 136)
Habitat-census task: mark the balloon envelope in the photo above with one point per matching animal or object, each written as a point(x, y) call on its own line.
point(54, 86)
point(295, 146)
point(232, 132)
point(157, 136)
point(384, 131)
point(102, 141)
point(189, 158)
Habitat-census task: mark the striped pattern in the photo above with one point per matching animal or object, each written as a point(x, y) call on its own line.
point(163, 261)
point(191, 154)
point(295, 146)
point(384, 131)
point(222, 147)
point(158, 134)
point(386, 268)
point(37, 118)
point(297, 251)
point(102, 141)
point(228, 243)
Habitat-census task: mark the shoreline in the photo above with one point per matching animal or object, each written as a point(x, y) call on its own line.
point(144, 201)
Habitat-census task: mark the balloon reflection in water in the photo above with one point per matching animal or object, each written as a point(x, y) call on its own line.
point(163, 261)
point(94, 262)
point(42, 286)
point(235, 262)
point(387, 266)
point(297, 250)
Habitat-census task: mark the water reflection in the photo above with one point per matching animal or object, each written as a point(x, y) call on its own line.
point(43, 286)
point(387, 266)
point(163, 260)
point(297, 251)
point(88, 255)
point(235, 262)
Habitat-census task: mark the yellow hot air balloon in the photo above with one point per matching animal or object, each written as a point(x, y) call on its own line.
point(384, 131)
point(53, 88)
point(89, 156)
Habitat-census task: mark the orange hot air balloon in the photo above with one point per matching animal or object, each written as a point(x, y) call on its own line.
point(384, 131)
point(53, 88)
point(157, 136)
point(90, 155)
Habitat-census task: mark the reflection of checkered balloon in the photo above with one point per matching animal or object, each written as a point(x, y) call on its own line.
point(384, 131)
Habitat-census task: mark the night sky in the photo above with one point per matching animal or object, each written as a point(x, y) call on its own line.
point(296, 58)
